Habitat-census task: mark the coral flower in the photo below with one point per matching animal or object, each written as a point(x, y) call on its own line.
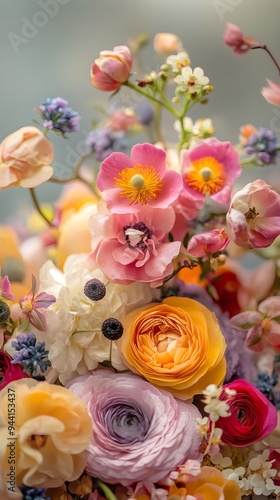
point(167, 43)
point(213, 485)
point(253, 218)
point(209, 169)
point(111, 68)
point(51, 429)
point(129, 183)
point(177, 345)
point(272, 93)
point(233, 37)
point(25, 157)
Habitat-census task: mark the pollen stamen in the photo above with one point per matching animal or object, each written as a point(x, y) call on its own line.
point(206, 175)
point(139, 184)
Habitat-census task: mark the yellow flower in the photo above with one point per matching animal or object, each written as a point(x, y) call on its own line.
point(212, 485)
point(44, 432)
point(177, 345)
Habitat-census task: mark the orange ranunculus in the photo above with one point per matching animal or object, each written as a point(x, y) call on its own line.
point(25, 157)
point(44, 432)
point(213, 485)
point(177, 345)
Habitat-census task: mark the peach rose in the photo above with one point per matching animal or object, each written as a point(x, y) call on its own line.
point(177, 345)
point(25, 157)
point(213, 485)
point(44, 432)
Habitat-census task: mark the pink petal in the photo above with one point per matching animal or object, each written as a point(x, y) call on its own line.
point(110, 169)
point(270, 306)
point(246, 320)
point(6, 289)
point(147, 154)
point(172, 186)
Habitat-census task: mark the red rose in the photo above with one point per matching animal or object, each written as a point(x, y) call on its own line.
point(252, 416)
point(9, 371)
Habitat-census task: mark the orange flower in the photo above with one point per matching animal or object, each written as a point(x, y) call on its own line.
point(25, 157)
point(212, 485)
point(177, 345)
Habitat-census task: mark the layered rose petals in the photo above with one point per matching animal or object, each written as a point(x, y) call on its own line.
point(128, 184)
point(140, 432)
point(176, 345)
point(272, 93)
point(252, 416)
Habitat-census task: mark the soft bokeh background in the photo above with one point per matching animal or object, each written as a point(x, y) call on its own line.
point(55, 59)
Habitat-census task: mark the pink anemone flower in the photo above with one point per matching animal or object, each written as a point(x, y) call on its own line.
point(210, 169)
point(253, 218)
point(128, 184)
point(133, 247)
point(233, 37)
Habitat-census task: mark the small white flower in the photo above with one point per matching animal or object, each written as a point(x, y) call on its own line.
point(178, 61)
point(217, 409)
point(191, 80)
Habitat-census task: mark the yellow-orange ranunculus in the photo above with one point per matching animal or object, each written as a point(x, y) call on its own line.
point(213, 485)
point(177, 345)
point(25, 158)
point(44, 432)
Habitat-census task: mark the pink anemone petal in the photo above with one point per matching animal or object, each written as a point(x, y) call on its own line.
point(172, 186)
point(166, 252)
point(147, 154)
point(118, 204)
point(110, 169)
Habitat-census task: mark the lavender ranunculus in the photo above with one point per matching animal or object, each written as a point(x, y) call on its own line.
point(140, 431)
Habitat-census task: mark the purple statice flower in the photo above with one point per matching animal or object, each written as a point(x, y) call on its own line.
point(31, 356)
point(33, 493)
point(240, 361)
point(263, 145)
point(103, 141)
point(58, 116)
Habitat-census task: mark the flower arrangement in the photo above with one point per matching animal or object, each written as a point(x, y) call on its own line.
point(139, 354)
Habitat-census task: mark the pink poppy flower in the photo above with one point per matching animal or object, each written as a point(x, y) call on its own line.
point(133, 247)
point(207, 243)
point(253, 218)
point(209, 169)
point(252, 416)
point(111, 68)
point(233, 37)
point(25, 157)
point(272, 93)
point(130, 183)
point(262, 326)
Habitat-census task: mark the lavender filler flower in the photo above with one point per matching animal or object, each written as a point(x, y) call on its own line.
point(33, 493)
point(59, 116)
point(263, 145)
point(30, 355)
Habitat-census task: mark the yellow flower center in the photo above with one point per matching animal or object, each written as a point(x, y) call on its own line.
point(139, 184)
point(206, 176)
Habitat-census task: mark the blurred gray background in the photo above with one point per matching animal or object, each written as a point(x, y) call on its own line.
point(53, 58)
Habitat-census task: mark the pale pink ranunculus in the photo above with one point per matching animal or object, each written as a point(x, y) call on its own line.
point(25, 157)
point(210, 169)
point(272, 93)
point(134, 247)
point(141, 432)
point(262, 326)
point(167, 43)
point(233, 37)
point(111, 68)
point(128, 184)
point(253, 218)
point(203, 244)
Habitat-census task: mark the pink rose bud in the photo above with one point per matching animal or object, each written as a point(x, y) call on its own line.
point(111, 68)
point(203, 244)
point(233, 37)
point(272, 93)
point(253, 218)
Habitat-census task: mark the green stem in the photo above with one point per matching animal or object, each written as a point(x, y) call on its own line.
point(166, 105)
point(36, 203)
point(108, 493)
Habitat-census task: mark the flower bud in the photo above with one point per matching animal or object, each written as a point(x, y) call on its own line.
point(111, 69)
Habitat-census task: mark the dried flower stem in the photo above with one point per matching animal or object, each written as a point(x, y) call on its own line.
point(36, 203)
